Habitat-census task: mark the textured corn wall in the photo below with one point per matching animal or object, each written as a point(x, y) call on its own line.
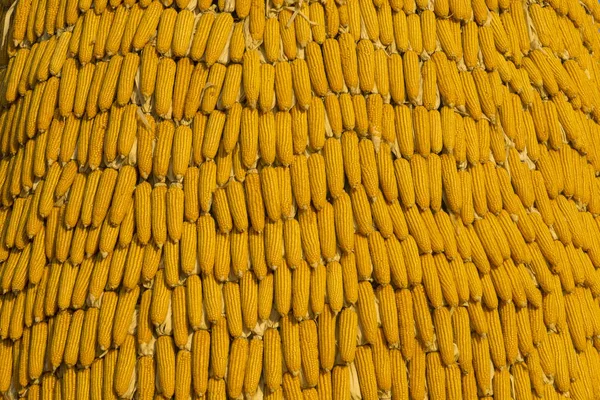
point(301, 200)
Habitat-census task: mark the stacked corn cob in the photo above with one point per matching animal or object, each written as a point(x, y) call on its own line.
point(319, 200)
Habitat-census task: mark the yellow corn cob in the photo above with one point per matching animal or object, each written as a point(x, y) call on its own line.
point(165, 365)
point(105, 188)
point(282, 273)
point(435, 380)
point(125, 366)
point(91, 22)
point(366, 372)
point(36, 57)
point(212, 290)
point(109, 42)
point(336, 384)
point(184, 71)
point(126, 78)
point(200, 360)
point(84, 80)
point(326, 334)
point(36, 262)
point(45, 112)
point(43, 67)
point(126, 32)
point(145, 370)
point(317, 288)
point(481, 359)
point(23, 84)
point(165, 77)
point(309, 351)
point(68, 275)
point(203, 30)
point(252, 352)
point(109, 85)
point(446, 38)
point(127, 131)
point(470, 44)
point(460, 325)
point(102, 33)
point(221, 210)
point(272, 359)
point(283, 87)
point(112, 132)
point(161, 297)
point(496, 339)
point(347, 338)
point(316, 118)
point(147, 25)
point(17, 68)
point(58, 18)
point(509, 330)
point(291, 386)
point(290, 338)
point(67, 384)
point(367, 312)
point(239, 252)
point(265, 289)
point(335, 289)
point(179, 317)
point(48, 384)
point(95, 85)
point(5, 317)
point(30, 125)
point(206, 243)
point(251, 77)
point(148, 68)
point(231, 86)
point(422, 318)
point(235, 374)
point(272, 40)
point(96, 377)
point(267, 83)
point(174, 204)
point(171, 262)
point(288, 34)
point(22, 13)
point(301, 83)
point(233, 308)
point(123, 315)
point(442, 322)
point(300, 290)
point(105, 319)
point(88, 337)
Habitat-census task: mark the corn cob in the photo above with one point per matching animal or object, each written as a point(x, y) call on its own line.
point(165, 365)
point(272, 359)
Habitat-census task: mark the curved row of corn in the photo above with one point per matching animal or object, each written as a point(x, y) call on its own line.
point(320, 200)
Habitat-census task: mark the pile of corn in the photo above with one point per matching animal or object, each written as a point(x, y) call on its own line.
point(319, 200)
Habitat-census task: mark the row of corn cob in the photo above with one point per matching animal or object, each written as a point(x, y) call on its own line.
point(192, 199)
point(232, 142)
point(283, 138)
point(562, 207)
point(182, 372)
point(401, 23)
point(103, 199)
point(364, 67)
point(503, 337)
